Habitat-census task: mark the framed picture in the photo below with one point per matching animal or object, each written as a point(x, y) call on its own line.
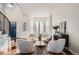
point(62, 27)
point(24, 26)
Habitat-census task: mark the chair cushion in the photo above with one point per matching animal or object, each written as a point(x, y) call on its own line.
point(0, 32)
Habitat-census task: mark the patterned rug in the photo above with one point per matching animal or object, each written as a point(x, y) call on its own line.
point(39, 51)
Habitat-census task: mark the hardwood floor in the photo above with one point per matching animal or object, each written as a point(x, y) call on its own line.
point(38, 51)
point(67, 52)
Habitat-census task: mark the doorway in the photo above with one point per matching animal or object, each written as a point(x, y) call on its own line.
point(13, 30)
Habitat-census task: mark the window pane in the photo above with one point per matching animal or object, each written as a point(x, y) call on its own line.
point(39, 26)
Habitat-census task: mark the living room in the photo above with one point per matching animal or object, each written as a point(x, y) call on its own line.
point(37, 22)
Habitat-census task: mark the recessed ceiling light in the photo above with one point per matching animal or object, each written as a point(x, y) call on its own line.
point(11, 5)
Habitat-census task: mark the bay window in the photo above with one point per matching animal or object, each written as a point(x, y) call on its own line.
point(39, 25)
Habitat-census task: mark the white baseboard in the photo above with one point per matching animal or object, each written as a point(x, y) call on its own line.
point(73, 52)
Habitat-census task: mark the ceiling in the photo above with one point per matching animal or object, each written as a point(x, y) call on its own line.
point(41, 9)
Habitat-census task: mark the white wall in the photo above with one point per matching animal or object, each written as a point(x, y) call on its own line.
point(2, 7)
point(71, 16)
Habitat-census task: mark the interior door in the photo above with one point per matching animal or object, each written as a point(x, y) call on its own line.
point(13, 29)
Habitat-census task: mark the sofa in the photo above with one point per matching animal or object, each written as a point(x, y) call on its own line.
point(46, 37)
point(33, 37)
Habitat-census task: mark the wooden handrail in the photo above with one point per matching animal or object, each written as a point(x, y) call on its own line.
point(4, 16)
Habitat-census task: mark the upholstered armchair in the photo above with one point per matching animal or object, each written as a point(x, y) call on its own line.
point(46, 37)
point(25, 46)
point(0, 32)
point(56, 46)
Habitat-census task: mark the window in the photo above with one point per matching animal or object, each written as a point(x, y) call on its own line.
point(39, 26)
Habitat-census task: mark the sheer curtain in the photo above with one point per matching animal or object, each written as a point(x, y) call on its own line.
point(34, 27)
point(44, 27)
point(40, 25)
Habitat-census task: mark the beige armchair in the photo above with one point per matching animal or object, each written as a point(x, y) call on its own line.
point(25, 46)
point(56, 46)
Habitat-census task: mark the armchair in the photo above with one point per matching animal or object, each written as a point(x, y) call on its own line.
point(25, 46)
point(56, 46)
